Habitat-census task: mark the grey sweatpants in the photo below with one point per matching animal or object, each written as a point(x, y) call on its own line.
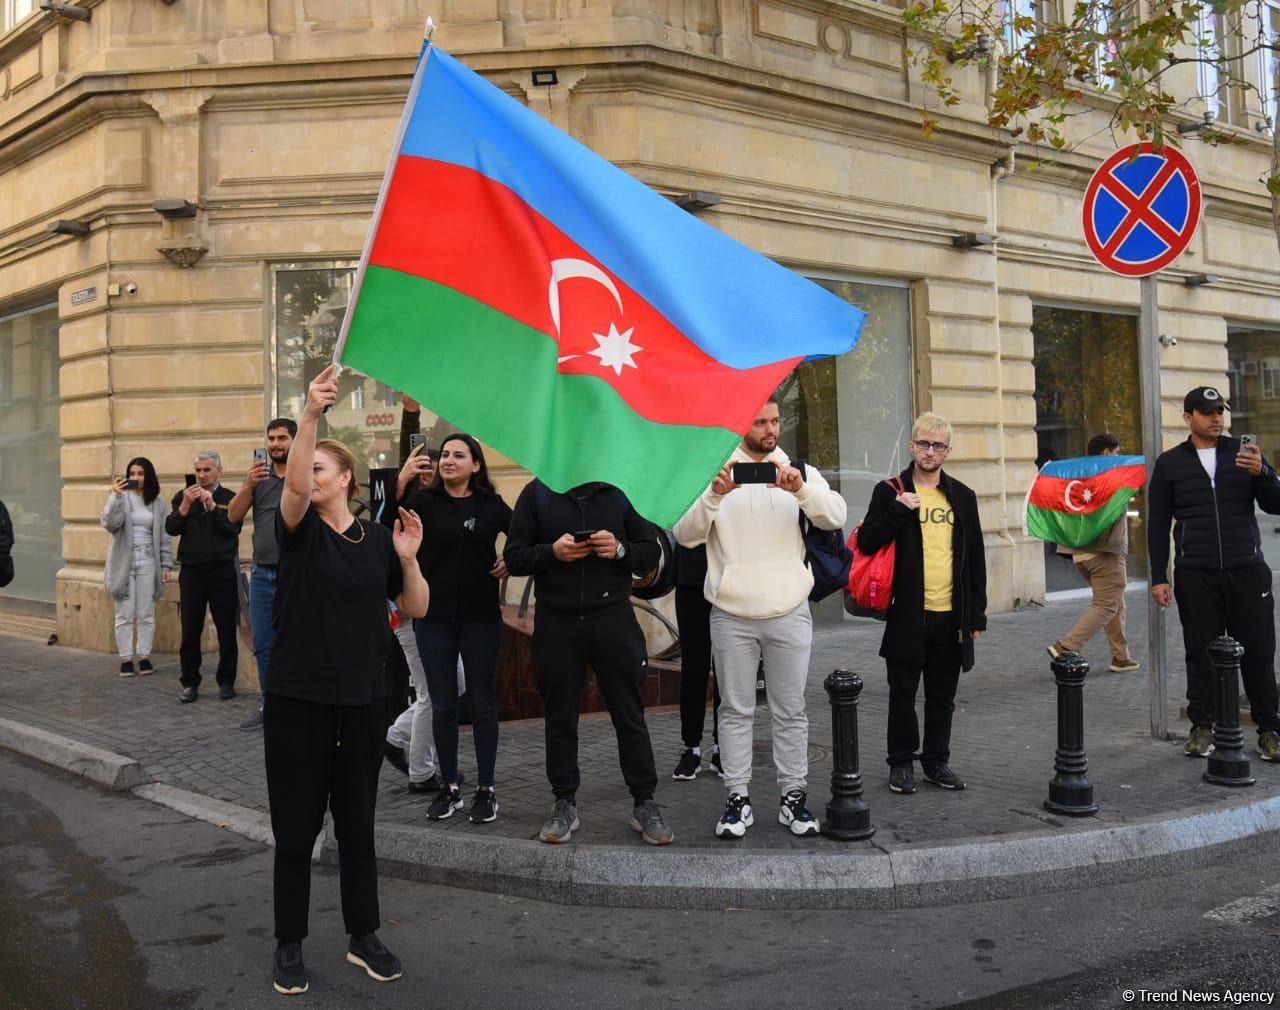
point(738, 644)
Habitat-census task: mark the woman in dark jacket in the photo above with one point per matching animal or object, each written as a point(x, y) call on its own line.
point(462, 516)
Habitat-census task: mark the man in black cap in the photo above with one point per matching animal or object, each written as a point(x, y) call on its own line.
point(1207, 485)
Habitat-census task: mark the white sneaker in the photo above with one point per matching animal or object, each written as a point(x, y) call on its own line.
point(794, 813)
point(736, 818)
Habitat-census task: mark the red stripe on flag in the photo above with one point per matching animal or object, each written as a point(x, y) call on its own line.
point(456, 227)
point(1082, 495)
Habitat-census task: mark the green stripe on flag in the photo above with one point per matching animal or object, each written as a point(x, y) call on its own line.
point(1076, 529)
point(496, 379)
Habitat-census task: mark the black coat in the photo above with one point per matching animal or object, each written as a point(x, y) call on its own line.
point(1214, 524)
point(209, 539)
point(887, 522)
point(593, 585)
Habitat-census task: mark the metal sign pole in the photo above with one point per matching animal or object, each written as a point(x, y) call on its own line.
point(1149, 369)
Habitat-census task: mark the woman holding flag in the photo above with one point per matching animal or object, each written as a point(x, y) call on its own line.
point(324, 706)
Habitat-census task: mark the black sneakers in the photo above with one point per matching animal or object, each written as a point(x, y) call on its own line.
point(226, 692)
point(687, 767)
point(902, 779)
point(716, 766)
point(484, 806)
point(144, 667)
point(126, 668)
point(793, 811)
point(941, 775)
point(737, 817)
point(289, 976)
point(188, 695)
point(368, 953)
point(446, 802)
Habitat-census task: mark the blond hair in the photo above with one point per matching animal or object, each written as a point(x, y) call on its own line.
point(929, 421)
point(345, 459)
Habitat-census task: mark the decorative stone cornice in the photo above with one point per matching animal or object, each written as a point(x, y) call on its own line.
point(184, 254)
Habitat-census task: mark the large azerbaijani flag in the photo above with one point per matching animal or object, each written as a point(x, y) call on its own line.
point(563, 312)
point(1073, 502)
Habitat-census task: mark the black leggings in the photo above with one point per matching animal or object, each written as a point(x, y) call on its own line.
point(323, 755)
point(693, 620)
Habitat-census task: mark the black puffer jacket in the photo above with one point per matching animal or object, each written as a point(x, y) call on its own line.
point(889, 522)
point(592, 586)
point(1213, 524)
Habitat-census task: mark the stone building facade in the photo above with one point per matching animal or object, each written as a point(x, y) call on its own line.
point(128, 331)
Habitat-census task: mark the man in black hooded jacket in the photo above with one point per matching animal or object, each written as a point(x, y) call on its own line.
point(1206, 487)
point(582, 547)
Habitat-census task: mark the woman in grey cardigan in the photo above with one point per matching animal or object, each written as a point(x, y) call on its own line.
point(139, 560)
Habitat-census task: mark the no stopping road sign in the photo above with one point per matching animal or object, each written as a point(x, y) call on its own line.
point(1141, 209)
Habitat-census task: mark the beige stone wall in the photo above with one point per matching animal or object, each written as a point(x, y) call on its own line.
point(275, 117)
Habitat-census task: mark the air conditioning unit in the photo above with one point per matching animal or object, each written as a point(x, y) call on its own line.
point(1248, 368)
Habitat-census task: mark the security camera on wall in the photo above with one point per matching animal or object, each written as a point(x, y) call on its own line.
point(131, 288)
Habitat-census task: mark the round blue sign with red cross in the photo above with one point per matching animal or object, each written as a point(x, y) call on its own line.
point(1141, 209)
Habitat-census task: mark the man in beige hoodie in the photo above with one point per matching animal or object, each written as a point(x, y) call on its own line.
point(758, 587)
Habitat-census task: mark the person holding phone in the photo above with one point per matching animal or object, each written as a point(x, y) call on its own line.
point(324, 715)
point(758, 586)
point(462, 517)
point(1206, 488)
point(208, 573)
point(582, 547)
point(139, 561)
point(261, 492)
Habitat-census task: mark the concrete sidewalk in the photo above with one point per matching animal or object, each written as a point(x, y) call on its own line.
point(992, 840)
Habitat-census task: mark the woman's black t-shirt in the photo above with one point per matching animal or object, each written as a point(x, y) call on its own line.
point(330, 615)
point(458, 537)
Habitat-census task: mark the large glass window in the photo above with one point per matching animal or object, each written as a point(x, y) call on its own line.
point(1086, 367)
point(1253, 368)
point(13, 11)
point(848, 416)
point(30, 449)
point(309, 303)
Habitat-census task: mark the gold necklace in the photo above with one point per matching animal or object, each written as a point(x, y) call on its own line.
point(348, 539)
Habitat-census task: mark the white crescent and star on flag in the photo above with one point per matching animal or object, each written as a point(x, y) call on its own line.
point(614, 349)
point(1086, 497)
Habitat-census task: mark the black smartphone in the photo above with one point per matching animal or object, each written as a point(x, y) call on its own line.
point(131, 484)
point(259, 456)
point(755, 473)
point(582, 536)
point(416, 439)
point(190, 478)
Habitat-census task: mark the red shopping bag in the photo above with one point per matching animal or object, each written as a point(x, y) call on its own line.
point(870, 576)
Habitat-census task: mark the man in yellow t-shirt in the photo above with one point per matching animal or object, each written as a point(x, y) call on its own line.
point(939, 604)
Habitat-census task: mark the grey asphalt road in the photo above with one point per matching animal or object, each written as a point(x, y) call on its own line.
point(110, 903)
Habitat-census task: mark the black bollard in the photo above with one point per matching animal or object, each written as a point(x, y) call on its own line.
point(1228, 763)
point(1069, 791)
point(848, 816)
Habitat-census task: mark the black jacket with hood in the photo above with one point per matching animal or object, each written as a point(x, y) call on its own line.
point(593, 585)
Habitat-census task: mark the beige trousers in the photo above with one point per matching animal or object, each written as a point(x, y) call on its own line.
point(1106, 577)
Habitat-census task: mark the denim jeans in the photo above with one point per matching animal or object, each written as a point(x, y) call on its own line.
point(262, 598)
point(440, 642)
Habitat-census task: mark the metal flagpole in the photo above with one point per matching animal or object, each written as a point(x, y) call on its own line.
point(414, 87)
point(1149, 373)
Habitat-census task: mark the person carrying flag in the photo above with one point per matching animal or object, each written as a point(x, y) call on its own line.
point(1207, 486)
point(1102, 565)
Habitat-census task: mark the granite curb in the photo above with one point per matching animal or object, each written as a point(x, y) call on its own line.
point(867, 875)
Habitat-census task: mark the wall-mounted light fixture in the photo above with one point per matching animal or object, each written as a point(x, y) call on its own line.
point(1199, 280)
point(64, 227)
point(973, 240)
point(546, 77)
point(69, 11)
point(979, 47)
point(697, 200)
point(172, 210)
point(1197, 126)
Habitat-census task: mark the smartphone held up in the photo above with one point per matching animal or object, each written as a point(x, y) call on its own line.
point(755, 473)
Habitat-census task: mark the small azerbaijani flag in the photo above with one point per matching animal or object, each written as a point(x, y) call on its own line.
point(563, 312)
point(1073, 502)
